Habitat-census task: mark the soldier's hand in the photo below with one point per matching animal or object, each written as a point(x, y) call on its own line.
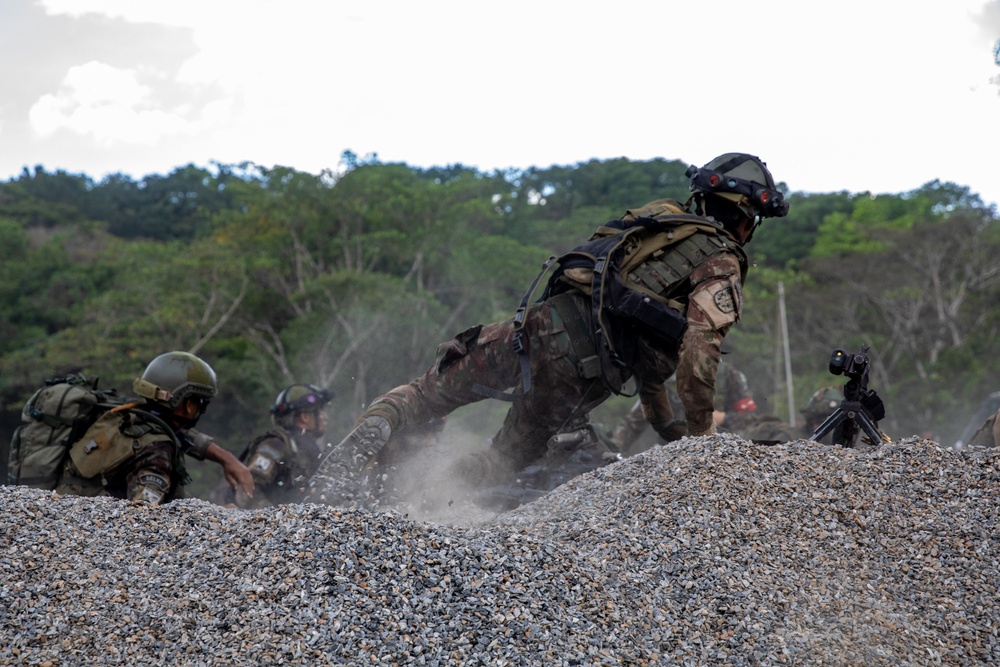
point(239, 477)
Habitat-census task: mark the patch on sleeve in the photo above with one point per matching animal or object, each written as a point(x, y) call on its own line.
point(720, 301)
point(150, 488)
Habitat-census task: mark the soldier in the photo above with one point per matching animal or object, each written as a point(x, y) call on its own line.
point(568, 352)
point(284, 458)
point(823, 403)
point(988, 434)
point(136, 451)
point(734, 408)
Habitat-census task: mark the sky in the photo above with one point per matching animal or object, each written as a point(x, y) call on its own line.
point(877, 96)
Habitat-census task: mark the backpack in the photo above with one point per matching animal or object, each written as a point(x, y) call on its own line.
point(54, 418)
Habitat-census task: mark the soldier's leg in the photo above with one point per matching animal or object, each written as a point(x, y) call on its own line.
point(467, 367)
point(482, 356)
point(558, 396)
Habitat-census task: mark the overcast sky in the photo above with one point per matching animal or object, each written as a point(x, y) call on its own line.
point(857, 95)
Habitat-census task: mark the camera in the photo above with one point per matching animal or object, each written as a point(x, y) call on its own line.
point(854, 366)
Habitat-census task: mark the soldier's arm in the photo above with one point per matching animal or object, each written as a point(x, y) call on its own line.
point(202, 446)
point(237, 474)
point(151, 473)
point(713, 307)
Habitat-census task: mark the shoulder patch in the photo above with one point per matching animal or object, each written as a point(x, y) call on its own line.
point(720, 301)
point(724, 301)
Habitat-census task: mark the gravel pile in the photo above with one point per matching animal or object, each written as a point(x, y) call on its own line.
point(707, 551)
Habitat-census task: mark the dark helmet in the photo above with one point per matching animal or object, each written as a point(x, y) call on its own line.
point(299, 398)
point(175, 376)
point(743, 180)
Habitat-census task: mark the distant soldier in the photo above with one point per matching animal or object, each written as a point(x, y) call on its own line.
point(988, 434)
point(734, 406)
point(283, 459)
point(138, 454)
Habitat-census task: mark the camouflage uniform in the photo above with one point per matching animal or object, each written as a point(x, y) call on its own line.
point(988, 434)
point(823, 403)
point(482, 360)
point(281, 463)
point(732, 396)
point(678, 262)
point(125, 456)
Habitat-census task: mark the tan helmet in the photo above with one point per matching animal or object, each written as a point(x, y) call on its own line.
point(174, 376)
point(742, 179)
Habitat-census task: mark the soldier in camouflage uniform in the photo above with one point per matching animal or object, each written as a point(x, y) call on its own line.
point(284, 458)
point(988, 434)
point(823, 403)
point(136, 452)
point(733, 403)
point(700, 276)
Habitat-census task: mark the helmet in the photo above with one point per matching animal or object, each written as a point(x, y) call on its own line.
point(175, 376)
point(743, 180)
point(299, 398)
point(823, 403)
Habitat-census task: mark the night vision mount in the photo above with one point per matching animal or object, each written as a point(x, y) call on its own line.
point(861, 408)
point(767, 199)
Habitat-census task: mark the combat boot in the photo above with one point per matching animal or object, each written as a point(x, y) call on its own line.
point(344, 475)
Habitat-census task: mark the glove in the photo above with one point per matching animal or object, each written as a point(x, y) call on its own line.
point(671, 430)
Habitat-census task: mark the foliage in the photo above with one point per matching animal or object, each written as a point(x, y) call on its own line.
point(350, 280)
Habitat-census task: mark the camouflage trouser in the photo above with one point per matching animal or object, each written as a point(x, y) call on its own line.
point(482, 360)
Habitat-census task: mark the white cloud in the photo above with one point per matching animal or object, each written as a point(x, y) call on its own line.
point(107, 103)
point(855, 95)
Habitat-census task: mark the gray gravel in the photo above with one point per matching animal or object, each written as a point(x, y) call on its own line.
point(707, 551)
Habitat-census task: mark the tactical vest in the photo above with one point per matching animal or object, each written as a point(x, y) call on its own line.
point(635, 271)
point(296, 464)
point(659, 265)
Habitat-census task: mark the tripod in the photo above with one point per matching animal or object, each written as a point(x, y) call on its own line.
point(857, 409)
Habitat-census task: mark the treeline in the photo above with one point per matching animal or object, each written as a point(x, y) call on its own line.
point(350, 280)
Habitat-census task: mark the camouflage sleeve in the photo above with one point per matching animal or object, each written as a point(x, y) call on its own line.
point(151, 476)
point(195, 443)
point(713, 307)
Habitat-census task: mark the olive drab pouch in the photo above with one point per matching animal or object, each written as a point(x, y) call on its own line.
point(104, 446)
point(53, 419)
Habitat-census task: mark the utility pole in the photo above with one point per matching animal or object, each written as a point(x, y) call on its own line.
point(787, 355)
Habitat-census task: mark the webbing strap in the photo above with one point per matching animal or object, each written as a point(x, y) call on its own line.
point(520, 341)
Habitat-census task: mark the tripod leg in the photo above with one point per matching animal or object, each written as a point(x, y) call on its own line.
point(829, 424)
point(877, 437)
